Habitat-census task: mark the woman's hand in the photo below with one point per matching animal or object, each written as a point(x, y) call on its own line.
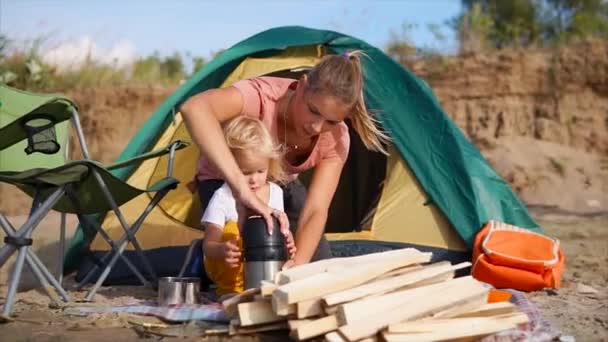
point(248, 202)
point(232, 253)
point(289, 240)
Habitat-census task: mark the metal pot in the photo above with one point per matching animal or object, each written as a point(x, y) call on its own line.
point(178, 290)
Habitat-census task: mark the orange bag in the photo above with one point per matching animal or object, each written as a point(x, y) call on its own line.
point(507, 256)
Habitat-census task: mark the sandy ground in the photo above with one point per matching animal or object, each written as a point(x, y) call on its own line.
point(579, 309)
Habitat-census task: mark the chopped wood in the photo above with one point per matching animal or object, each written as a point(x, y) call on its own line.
point(328, 282)
point(315, 328)
point(306, 270)
point(472, 304)
point(295, 323)
point(390, 284)
point(281, 307)
point(259, 298)
point(330, 310)
point(231, 303)
point(430, 325)
point(392, 295)
point(267, 288)
point(458, 331)
point(236, 330)
point(490, 309)
point(379, 305)
point(335, 336)
point(309, 308)
point(403, 270)
point(253, 313)
point(461, 290)
point(217, 331)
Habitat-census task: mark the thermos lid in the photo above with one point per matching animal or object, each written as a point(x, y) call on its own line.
point(258, 245)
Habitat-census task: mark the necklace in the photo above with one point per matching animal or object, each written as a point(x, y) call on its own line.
point(295, 147)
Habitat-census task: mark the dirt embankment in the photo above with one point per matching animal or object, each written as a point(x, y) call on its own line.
point(539, 116)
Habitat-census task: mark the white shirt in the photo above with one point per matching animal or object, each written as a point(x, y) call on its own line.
point(222, 206)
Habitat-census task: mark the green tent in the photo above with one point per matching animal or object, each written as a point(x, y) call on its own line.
point(435, 189)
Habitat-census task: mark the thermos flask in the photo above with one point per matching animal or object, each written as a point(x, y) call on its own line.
point(264, 254)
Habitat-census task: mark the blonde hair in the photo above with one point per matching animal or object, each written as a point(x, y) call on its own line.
point(249, 134)
point(341, 76)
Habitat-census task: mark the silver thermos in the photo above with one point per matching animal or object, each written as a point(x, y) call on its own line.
point(264, 254)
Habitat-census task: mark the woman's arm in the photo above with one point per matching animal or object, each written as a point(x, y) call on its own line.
point(203, 113)
point(313, 217)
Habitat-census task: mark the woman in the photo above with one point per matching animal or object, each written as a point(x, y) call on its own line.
point(305, 116)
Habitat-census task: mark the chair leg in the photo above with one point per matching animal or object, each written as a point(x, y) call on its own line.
point(125, 226)
point(61, 248)
point(32, 222)
point(113, 249)
point(14, 282)
point(36, 215)
point(36, 265)
point(47, 274)
point(124, 241)
point(41, 278)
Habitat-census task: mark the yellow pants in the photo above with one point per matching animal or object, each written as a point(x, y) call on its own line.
point(227, 279)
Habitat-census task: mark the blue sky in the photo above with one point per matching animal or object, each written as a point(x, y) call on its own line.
point(138, 28)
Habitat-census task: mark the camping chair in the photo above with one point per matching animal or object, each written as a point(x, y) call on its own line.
point(82, 187)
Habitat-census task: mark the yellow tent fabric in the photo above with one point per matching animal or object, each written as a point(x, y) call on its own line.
point(401, 215)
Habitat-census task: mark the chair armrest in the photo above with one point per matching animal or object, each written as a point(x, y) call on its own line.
point(176, 145)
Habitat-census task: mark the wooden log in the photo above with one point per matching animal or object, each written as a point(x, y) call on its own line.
point(459, 331)
point(335, 336)
point(330, 310)
point(490, 309)
point(378, 305)
point(471, 305)
point(295, 323)
point(402, 270)
point(430, 325)
point(230, 304)
point(259, 298)
point(460, 291)
point(309, 308)
point(391, 284)
point(281, 308)
point(315, 328)
point(267, 288)
point(236, 330)
point(253, 313)
point(328, 282)
point(310, 269)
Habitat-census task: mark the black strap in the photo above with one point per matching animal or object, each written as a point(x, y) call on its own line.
point(18, 241)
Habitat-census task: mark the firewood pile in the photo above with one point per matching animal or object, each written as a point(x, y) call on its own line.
point(393, 296)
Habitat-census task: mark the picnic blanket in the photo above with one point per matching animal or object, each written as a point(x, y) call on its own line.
point(179, 313)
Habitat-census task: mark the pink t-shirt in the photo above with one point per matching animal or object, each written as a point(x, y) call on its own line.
point(260, 96)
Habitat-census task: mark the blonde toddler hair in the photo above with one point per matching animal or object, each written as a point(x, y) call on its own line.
point(249, 134)
point(341, 76)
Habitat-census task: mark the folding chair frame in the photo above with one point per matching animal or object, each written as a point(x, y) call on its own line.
point(20, 240)
point(37, 213)
point(128, 236)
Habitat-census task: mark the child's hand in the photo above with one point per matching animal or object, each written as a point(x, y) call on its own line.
point(232, 253)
